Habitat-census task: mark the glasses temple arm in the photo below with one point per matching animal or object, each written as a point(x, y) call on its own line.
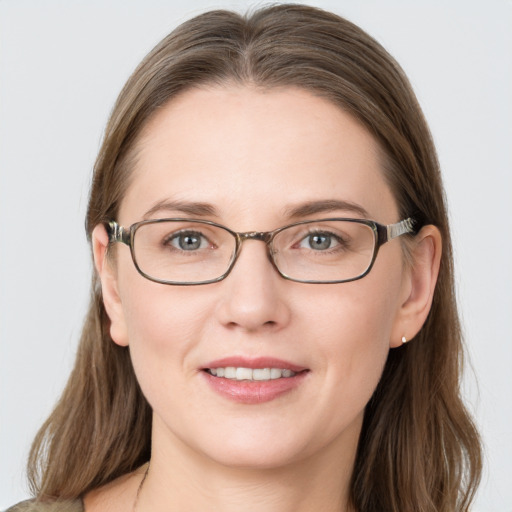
point(116, 233)
point(400, 228)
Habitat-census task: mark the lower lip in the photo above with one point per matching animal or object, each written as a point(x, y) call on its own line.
point(253, 392)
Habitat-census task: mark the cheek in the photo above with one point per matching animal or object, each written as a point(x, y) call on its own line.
point(164, 324)
point(351, 328)
point(358, 315)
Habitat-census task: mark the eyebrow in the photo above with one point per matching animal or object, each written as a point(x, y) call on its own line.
point(198, 209)
point(328, 205)
point(201, 209)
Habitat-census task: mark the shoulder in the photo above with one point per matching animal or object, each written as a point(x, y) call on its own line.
point(52, 506)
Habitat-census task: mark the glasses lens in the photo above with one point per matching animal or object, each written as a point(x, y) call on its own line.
point(324, 251)
point(183, 251)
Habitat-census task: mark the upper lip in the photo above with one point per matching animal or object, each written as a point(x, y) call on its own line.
point(254, 362)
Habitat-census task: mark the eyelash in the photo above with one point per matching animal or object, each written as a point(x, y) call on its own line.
point(167, 241)
point(340, 242)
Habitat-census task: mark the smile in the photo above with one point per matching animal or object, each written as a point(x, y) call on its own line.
point(249, 380)
point(251, 374)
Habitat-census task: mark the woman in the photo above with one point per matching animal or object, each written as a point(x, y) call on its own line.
point(281, 332)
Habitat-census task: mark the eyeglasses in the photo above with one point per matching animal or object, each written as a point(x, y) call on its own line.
point(191, 252)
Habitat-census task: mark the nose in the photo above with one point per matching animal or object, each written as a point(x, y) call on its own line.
point(253, 295)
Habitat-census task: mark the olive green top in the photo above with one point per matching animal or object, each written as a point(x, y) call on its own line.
point(53, 506)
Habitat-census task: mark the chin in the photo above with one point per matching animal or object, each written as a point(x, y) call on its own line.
point(256, 457)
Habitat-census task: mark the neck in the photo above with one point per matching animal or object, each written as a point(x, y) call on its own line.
point(195, 482)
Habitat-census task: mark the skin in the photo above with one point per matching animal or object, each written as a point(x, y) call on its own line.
point(255, 155)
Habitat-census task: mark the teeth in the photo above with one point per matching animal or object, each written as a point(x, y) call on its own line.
point(257, 374)
point(243, 374)
point(261, 374)
point(230, 372)
point(275, 373)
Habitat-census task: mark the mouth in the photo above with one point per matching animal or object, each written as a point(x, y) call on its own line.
point(251, 374)
point(253, 381)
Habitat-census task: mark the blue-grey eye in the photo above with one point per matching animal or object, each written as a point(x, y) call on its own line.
point(318, 241)
point(189, 241)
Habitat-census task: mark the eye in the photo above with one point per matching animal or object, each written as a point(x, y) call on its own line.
point(188, 241)
point(320, 241)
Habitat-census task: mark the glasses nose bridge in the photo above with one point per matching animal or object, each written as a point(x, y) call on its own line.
point(263, 236)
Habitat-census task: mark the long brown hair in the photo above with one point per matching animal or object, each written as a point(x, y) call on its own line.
point(418, 450)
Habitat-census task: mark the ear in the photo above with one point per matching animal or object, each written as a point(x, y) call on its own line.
point(418, 285)
point(109, 287)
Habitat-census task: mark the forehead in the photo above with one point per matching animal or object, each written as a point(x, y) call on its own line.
point(254, 154)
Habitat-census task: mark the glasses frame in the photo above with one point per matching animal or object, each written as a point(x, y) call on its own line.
point(382, 234)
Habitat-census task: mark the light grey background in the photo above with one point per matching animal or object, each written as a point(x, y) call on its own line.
point(62, 63)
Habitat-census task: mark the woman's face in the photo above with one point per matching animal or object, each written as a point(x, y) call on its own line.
point(255, 157)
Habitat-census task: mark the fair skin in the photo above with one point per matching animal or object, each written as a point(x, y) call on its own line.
point(253, 156)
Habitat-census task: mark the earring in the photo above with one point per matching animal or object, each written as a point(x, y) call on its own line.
point(404, 339)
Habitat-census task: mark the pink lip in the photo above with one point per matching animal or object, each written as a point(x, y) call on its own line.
point(254, 392)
